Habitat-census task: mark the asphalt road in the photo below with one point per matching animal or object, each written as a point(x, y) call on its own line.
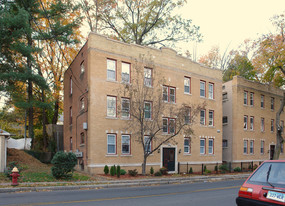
point(196, 194)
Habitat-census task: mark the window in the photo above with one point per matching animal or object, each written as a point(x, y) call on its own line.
point(82, 138)
point(211, 91)
point(262, 125)
point(225, 119)
point(202, 117)
point(251, 146)
point(111, 106)
point(272, 103)
point(148, 77)
point(202, 89)
point(70, 143)
point(187, 115)
point(225, 143)
point(147, 110)
point(202, 146)
point(147, 144)
point(272, 125)
point(251, 99)
point(126, 144)
point(82, 105)
point(82, 68)
point(169, 94)
point(187, 148)
point(262, 101)
point(125, 108)
point(245, 122)
point(70, 115)
point(262, 147)
point(111, 143)
point(245, 146)
point(211, 146)
point(211, 118)
point(70, 85)
point(168, 125)
point(187, 83)
point(251, 123)
point(111, 69)
point(126, 70)
point(225, 96)
point(245, 97)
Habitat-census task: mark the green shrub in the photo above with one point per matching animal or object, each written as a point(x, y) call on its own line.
point(191, 170)
point(207, 171)
point(205, 168)
point(255, 166)
point(10, 167)
point(224, 168)
point(112, 171)
point(158, 173)
point(151, 171)
point(118, 171)
point(64, 164)
point(115, 169)
point(133, 172)
point(237, 169)
point(123, 172)
point(216, 168)
point(106, 170)
point(163, 170)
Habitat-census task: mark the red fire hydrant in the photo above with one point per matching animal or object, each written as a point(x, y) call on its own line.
point(15, 175)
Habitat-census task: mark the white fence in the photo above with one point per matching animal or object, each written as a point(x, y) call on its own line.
point(19, 143)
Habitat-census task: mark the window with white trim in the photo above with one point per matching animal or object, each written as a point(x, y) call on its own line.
point(262, 101)
point(262, 147)
point(111, 106)
point(211, 118)
point(147, 77)
point(147, 144)
point(169, 94)
point(272, 125)
point(168, 125)
point(126, 144)
point(211, 90)
point(245, 122)
point(187, 146)
point(272, 103)
point(211, 146)
point(111, 143)
point(245, 146)
point(251, 146)
point(187, 115)
point(202, 89)
point(262, 125)
point(245, 93)
point(203, 117)
point(126, 71)
point(187, 85)
point(251, 99)
point(147, 110)
point(125, 108)
point(202, 146)
point(111, 69)
point(251, 123)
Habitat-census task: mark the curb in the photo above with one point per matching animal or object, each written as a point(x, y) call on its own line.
point(123, 183)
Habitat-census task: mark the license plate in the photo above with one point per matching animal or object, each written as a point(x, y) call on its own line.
point(280, 197)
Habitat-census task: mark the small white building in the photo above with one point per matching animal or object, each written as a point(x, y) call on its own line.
point(3, 149)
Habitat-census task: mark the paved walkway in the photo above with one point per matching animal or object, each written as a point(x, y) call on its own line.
point(52, 186)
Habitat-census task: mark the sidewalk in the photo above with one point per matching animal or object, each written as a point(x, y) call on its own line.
point(53, 186)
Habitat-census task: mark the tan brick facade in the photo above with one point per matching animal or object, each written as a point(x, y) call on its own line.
point(246, 106)
point(92, 87)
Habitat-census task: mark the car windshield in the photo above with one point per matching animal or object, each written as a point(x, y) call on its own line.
point(270, 177)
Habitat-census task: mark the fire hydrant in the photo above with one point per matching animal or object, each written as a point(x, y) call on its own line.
point(15, 175)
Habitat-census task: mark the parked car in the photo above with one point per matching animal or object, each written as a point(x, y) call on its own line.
point(265, 186)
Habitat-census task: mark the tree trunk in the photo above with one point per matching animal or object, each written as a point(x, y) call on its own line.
point(144, 165)
point(44, 123)
point(55, 115)
point(279, 129)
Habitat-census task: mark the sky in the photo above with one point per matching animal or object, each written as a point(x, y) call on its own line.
point(227, 23)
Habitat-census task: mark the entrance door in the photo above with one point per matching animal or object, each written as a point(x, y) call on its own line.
point(169, 158)
point(272, 148)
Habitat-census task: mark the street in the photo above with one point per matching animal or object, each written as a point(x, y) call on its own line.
point(206, 193)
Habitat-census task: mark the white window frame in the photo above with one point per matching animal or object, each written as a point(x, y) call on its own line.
point(111, 110)
point(245, 146)
point(251, 123)
point(203, 147)
point(112, 143)
point(172, 97)
point(202, 117)
point(148, 77)
point(126, 141)
point(251, 146)
point(245, 122)
point(262, 147)
point(251, 99)
point(147, 148)
point(211, 90)
point(188, 115)
point(211, 118)
point(245, 97)
point(166, 94)
point(148, 111)
point(272, 103)
point(125, 111)
point(126, 72)
point(187, 147)
point(211, 146)
point(202, 88)
point(187, 85)
point(168, 125)
point(272, 125)
point(111, 69)
point(262, 105)
point(262, 124)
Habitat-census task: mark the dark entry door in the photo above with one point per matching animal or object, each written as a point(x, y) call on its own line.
point(169, 158)
point(272, 148)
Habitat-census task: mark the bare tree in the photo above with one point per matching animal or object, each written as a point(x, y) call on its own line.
point(148, 111)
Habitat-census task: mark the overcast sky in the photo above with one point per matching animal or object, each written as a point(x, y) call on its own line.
point(230, 22)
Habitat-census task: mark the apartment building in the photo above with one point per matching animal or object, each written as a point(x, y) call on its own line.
point(249, 127)
point(95, 115)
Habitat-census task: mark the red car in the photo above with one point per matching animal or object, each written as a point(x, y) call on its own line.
point(265, 186)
